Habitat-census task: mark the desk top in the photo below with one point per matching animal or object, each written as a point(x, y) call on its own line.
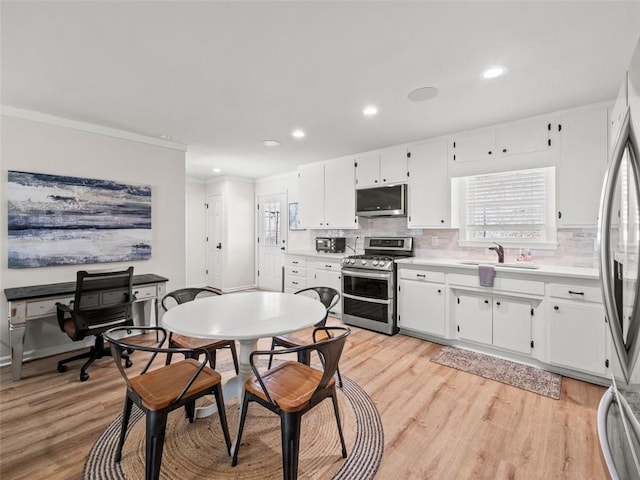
point(244, 315)
point(67, 288)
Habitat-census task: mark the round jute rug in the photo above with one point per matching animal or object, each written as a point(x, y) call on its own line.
point(197, 450)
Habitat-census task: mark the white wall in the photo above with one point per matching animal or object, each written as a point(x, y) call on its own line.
point(196, 233)
point(35, 146)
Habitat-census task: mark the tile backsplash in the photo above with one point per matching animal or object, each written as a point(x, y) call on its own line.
point(576, 246)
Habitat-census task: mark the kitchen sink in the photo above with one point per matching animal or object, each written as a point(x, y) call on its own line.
point(525, 265)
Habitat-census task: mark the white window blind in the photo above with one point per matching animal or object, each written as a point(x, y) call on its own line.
point(517, 206)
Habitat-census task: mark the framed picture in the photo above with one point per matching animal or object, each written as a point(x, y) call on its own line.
point(294, 223)
point(60, 220)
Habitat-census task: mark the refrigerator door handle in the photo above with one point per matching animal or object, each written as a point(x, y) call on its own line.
point(628, 351)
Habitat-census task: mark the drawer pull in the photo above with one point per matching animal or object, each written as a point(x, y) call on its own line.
point(294, 271)
point(421, 275)
point(486, 301)
point(571, 292)
point(439, 291)
point(327, 266)
point(295, 283)
point(556, 307)
point(498, 303)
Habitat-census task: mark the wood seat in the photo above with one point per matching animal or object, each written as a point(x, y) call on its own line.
point(159, 388)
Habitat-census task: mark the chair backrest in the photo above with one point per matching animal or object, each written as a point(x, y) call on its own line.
point(330, 350)
point(102, 301)
point(327, 295)
point(183, 295)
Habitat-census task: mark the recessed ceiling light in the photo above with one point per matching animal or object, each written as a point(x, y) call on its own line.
point(370, 110)
point(298, 133)
point(422, 94)
point(495, 71)
point(216, 170)
point(271, 143)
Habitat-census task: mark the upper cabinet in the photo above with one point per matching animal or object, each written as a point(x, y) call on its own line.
point(428, 186)
point(524, 136)
point(385, 167)
point(583, 160)
point(326, 195)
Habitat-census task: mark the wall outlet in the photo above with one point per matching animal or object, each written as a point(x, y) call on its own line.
point(434, 241)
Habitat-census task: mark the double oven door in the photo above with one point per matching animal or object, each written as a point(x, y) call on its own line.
point(368, 298)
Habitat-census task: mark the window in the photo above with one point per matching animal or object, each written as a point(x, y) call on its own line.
point(513, 208)
point(271, 224)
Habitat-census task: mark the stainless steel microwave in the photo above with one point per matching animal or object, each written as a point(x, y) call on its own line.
point(385, 201)
point(330, 244)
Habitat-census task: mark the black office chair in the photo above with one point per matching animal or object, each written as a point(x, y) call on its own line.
point(292, 388)
point(329, 297)
point(103, 300)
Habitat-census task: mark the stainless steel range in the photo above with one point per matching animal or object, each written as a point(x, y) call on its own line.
point(369, 283)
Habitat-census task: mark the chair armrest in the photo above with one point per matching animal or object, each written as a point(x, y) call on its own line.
point(61, 311)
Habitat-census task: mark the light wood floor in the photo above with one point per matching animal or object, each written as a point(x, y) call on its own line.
point(439, 423)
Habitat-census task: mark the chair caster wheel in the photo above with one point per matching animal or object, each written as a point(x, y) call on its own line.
point(84, 377)
point(62, 368)
point(128, 363)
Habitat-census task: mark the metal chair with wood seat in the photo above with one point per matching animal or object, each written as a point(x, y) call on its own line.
point(189, 294)
point(329, 297)
point(292, 388)
point(158, 391)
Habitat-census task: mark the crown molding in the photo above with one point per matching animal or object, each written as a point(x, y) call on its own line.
point(88, 127)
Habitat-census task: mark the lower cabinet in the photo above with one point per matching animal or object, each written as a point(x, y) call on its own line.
point(501, 322)
point(295, 273)
point(326, 274)
point(421, 300)
point(578, 332)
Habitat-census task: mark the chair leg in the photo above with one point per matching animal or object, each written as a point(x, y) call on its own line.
point(213, 359)
point(290, 444)
point(126, 414)
point(334, 398)
point(169, 356)
point(223, 416)
point(339, 377)
point(190, 410)
point(273, 347)
point(234, 355)
point(156, 426)
point(304, 357)
point(243, 417)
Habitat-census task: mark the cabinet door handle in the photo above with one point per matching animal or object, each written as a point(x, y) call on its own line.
point(571, 292)
point(486, 301)
point(556, 307)
point(439, 291)
point(498, 303)
point(490, 152)
point(504, 150)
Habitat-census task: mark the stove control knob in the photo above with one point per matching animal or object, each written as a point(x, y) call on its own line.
point(364, 262)
point(375, 263)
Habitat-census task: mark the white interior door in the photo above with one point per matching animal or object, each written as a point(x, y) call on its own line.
point(215, 247)
point(272, 222)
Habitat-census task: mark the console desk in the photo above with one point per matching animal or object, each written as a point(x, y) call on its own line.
point(36, 302)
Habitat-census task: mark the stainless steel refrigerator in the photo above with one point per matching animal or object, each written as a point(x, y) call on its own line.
point(619, 247)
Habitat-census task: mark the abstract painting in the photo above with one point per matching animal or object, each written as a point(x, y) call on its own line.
point(59, 220)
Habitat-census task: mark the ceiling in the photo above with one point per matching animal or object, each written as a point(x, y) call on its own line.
point(221, 77)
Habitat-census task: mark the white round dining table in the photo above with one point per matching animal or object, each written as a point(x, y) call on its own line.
point(245, 317)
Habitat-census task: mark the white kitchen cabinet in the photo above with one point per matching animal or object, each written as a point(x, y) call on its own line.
point(326, 273)
point(386, 167)
point(577, 329)
point(295, 273)
point(326, 198)
point(429, 197)
point(421, 301)
point(514, 138)
point(583, 160)
point(492, 320)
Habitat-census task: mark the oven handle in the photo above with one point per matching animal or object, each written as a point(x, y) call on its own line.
point(366, 274)
point(366, 299)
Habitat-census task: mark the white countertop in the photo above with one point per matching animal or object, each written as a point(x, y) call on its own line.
point(314, 254)
point(547, 270)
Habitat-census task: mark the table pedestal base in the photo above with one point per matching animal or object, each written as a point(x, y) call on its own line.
point(234, 387)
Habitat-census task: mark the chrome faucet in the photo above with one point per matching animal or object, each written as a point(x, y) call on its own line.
point(499, 249)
